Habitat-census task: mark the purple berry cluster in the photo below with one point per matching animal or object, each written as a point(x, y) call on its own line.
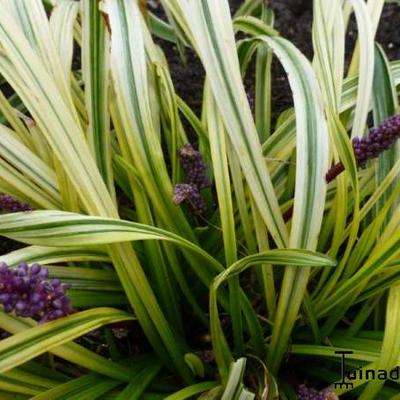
point(370, 147)
point(193, 166)
point(196, 178)
point(306, 393)
point(10, 204)
point(28, 292)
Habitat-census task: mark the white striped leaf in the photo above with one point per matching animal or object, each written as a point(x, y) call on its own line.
point(311, 167)
point(62, 21)
point(27, 345)
point(63, 229)
point(365, 67)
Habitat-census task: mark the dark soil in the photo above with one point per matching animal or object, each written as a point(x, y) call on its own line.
point(293, 19)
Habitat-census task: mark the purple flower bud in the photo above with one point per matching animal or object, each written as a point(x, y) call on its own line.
point(35, 298)
point(4, 297)
point(35, 269)
point(3, 267)
point(22, 270)
point(21, 305)
point(57, 303)
point(43, 273)
point(55, 283)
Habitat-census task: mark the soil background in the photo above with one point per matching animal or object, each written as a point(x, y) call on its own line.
point(293, 19)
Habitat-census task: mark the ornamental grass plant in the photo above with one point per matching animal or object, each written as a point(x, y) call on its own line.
point(175, 254)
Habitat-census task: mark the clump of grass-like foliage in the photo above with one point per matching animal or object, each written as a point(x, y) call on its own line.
point(203, 255)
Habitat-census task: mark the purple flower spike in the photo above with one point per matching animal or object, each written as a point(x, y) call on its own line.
point(190, 193)
point(9, 204)
point(378, 140)
point(196, 179)
point(27, 292)
point(306, 393)
point(194, 166)
point(370, 147)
